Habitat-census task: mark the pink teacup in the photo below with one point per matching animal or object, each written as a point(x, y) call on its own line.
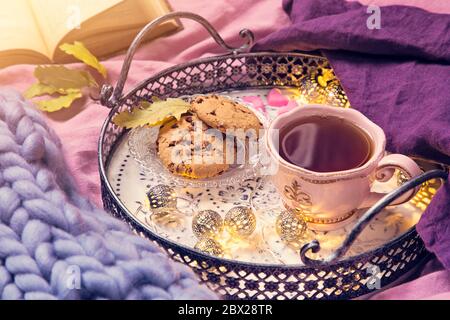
point(328, 200)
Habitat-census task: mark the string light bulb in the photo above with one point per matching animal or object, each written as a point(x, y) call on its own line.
point(207, 224)
point(162, 196)
point(240, 221)
point(209, 246)
point(290, 226)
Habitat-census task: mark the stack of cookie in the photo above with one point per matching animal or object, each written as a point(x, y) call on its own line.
point(200, 144)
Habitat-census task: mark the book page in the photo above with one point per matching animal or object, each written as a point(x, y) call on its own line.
point(56, 18)
point(128, 15)
point(19, 29)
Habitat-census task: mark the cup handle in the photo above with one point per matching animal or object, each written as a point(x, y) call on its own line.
point(385, 171)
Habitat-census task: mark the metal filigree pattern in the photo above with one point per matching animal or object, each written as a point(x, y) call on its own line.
point(240, 221)
point(207, 224)
point(290, 225)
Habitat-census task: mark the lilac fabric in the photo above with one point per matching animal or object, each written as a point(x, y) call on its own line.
point(398, 76)
point(54, 244)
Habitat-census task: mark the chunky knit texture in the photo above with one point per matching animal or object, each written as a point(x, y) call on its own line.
point(54, 244)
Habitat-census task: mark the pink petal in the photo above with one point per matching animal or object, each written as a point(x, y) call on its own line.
point(256, 102)
point(291, 105)
point(276, 99)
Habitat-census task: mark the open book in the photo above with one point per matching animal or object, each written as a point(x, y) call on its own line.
point(32, 30)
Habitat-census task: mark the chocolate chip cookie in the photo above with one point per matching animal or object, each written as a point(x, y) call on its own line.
point(190, 148)
point(222, 113)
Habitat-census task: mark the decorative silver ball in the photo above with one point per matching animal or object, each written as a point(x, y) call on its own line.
point(240, 221)
point(162, 197)
point(206, 224)
point(290, 226)
point(209, 246)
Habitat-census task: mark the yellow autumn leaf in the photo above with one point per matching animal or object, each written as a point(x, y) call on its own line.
point(39, 89)
point(135, 118)
point(58, 103)
point(79, 51)
point(63, 78)
point(90, 79)
point(153, 114)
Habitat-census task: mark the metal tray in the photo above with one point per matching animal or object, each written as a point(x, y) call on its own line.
point(374, 252)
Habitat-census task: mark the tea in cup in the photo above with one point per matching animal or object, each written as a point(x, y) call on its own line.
point(327, 160)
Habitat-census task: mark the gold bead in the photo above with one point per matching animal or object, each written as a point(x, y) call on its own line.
point(162, 197)
point(290, 226)
point(206, 224)
point(240, 221)
point(209, 246)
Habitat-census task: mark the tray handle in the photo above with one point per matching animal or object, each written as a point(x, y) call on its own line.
point(314, 245)
point(109, 96)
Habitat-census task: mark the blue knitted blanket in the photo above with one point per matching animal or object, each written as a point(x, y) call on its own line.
point(54, 244)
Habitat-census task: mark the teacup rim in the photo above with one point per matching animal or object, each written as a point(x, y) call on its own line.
point(376, 133)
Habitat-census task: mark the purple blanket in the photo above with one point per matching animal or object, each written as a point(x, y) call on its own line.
point(397, 75)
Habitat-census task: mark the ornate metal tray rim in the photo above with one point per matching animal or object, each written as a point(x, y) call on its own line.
point(113, 98)
point(203, 255)
point(213, 58)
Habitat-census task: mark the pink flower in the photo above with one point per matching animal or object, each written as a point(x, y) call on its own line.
point(276, 99)
point(291, 105)
point(256, 102)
